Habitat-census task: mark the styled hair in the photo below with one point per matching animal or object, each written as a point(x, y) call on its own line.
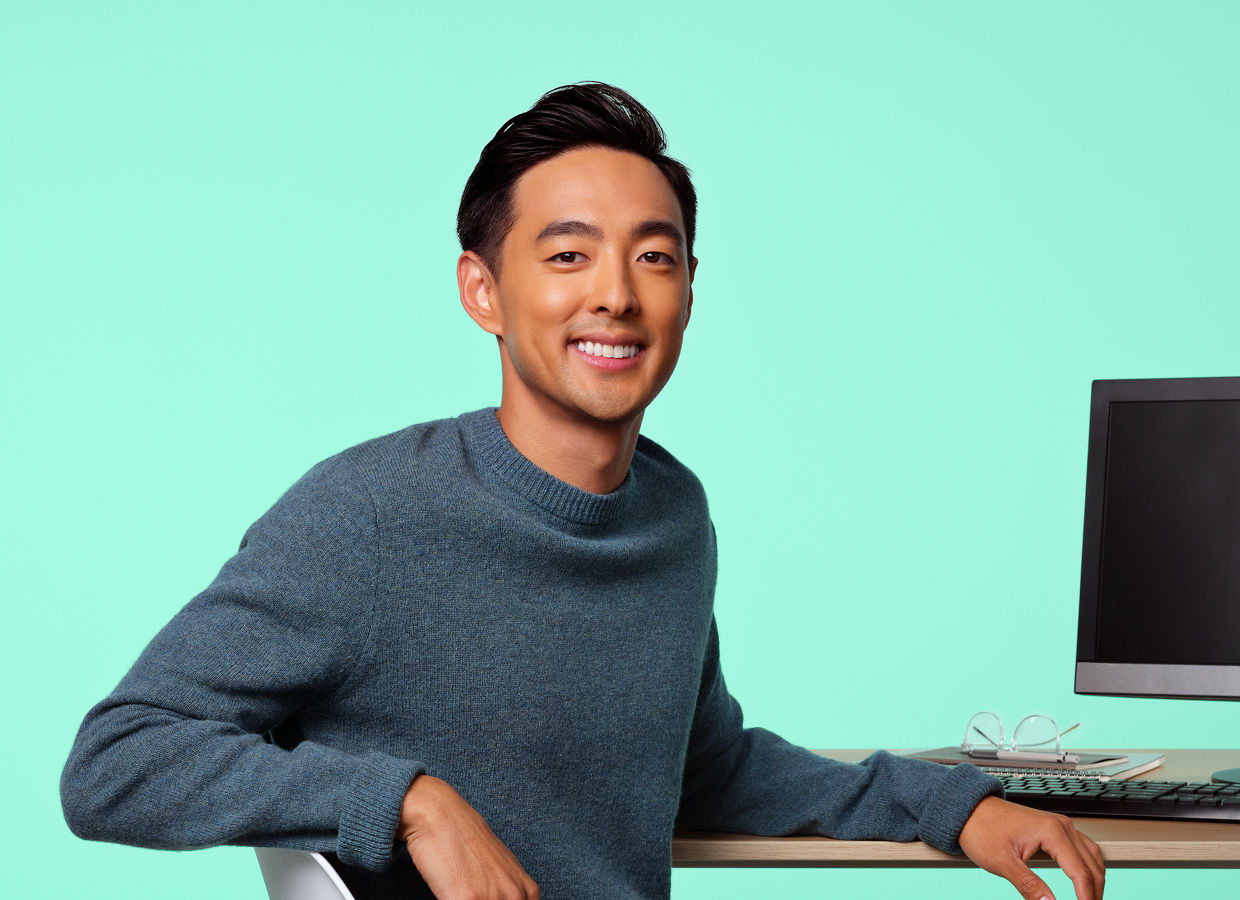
point(588, 114)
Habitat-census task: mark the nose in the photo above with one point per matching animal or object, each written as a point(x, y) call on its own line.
point(613, 292)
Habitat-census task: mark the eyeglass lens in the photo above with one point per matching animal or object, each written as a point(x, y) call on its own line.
point(1036, 732)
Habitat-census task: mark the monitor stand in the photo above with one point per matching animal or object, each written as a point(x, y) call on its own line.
point(1226, 776)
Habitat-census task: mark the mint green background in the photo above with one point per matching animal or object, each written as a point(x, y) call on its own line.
point(226, 252)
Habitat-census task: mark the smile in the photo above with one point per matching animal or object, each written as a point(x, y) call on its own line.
point(608, 351)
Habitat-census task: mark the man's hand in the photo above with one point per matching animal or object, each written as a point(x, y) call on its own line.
point(453, 848)
point(1001, 836)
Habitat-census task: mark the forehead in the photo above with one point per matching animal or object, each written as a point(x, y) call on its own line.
point(593, 184)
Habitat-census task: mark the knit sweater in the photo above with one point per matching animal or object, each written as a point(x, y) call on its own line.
point(432, 602)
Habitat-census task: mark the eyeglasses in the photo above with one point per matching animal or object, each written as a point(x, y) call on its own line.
point(1034, 734)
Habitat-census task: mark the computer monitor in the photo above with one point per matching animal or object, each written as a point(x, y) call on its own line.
point(1160, 568)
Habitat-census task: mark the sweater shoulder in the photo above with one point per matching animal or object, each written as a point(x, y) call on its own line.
point(391, 461)
point(355, 490)
point(654, 462)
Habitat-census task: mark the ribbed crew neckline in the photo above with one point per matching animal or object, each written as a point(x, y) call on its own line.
point(486, 437)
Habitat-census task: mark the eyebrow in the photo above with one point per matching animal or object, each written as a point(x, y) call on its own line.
point(571, 227)
point(659, 228)
point(577, 228)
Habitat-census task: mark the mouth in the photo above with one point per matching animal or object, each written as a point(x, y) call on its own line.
point(600, 350)
point(606, 356)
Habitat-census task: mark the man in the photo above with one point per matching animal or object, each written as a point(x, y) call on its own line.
point(494, 633)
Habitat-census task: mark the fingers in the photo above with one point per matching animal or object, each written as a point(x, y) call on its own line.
point(1078, 856)
point(1095, 854)
point(1031, 887)
point(1096, 863)
point(1001, 837)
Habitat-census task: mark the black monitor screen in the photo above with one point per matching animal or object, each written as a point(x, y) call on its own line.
point(1169, 567)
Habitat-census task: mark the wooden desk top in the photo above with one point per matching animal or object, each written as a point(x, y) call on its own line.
point(1125, 843)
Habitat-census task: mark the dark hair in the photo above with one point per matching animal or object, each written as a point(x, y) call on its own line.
point(566, 118)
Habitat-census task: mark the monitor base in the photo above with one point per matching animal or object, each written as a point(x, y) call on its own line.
point(1226, 776)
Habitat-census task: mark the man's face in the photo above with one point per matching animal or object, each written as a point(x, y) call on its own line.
point(594, 290)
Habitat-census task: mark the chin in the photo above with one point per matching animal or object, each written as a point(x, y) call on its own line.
point(611, 413)
point(612, 417)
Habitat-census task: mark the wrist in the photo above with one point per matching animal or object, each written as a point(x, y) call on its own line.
point(418, 806)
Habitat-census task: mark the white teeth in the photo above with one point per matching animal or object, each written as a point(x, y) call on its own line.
point(608, 351)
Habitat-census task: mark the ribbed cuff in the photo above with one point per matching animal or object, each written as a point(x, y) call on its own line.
point(951, 804)
point(372, 811)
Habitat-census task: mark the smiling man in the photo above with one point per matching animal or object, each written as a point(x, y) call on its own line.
point(493, 635)
point(591, 310)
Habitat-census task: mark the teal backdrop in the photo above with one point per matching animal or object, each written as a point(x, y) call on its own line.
point(226, 252)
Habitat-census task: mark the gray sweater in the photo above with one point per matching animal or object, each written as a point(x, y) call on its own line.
point(431, 601)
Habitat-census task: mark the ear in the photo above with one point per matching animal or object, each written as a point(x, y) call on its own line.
point(479, 296)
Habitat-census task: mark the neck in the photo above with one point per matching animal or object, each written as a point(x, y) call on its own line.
point(590, 455)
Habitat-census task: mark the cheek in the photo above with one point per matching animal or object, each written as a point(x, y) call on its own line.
point(543, 306)
point(538, 338)
point(674, 347)
point(552, 303)
point(675, 314)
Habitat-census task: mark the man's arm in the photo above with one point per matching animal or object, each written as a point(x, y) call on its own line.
point(174, 757)
point(749, 780)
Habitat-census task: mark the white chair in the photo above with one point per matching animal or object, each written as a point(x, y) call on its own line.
point(299, 875)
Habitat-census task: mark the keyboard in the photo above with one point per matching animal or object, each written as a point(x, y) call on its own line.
point(1194, 800)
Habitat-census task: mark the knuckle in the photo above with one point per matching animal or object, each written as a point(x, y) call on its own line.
point(1062, 823)
point(1027, 883)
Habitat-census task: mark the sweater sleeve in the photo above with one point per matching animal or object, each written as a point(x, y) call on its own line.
point(751, 781)
point(174, 757)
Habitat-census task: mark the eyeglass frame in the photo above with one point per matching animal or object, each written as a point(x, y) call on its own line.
point(994, 749)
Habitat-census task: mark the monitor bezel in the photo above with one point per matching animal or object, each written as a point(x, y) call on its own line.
point(1094, 676)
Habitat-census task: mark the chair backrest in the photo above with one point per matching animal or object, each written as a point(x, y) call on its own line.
point(299, 875)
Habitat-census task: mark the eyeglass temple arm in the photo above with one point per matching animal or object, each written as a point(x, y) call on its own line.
point(984, 734)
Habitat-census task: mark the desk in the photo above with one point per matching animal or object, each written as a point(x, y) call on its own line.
point(1125, 843)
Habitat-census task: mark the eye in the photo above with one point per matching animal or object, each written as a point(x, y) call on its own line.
point(656, 256)
point(568, 257)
